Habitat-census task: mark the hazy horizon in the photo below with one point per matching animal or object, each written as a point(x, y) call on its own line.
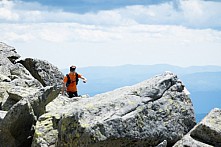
point(120, 65)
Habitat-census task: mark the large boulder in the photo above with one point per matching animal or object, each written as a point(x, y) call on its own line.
point(205, 134)
point(23, 96)
point(8, 56)
point(36, 100)
point(4, 78)
point(145, 114)
point(19, 71)
point(5, 66)
point(40, 99)
point(17, 81)
point(44, 72)
point(17, 126)
point(8, 52)
point(2, 115)
point(46, 132)
point(15, 94)
point(12, 70)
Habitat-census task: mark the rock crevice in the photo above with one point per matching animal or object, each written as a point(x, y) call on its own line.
point(207, 133)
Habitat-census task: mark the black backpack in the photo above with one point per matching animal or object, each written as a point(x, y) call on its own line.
point(69, 79)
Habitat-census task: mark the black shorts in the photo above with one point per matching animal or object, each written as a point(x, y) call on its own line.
point(72, 94)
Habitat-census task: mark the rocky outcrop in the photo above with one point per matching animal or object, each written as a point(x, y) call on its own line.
point(17, 127)
point(8, 52)
point(46, 133)
point(2, 115)
point(156, 112)
point(162, 144)
point(205, 134)
point(145, 114)
point(42, 98)
point(16, 93)
point(43, 71)
point(5, 66)
point(23, 98)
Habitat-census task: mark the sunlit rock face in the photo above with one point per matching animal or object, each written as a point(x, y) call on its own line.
point(23, 98)
point(146, 114)
point(205, 134)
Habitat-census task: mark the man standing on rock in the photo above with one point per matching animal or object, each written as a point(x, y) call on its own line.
point(70, 82)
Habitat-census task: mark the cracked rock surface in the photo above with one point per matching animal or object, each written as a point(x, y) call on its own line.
point(22, 96)
point(145, 114)
point(205, 134)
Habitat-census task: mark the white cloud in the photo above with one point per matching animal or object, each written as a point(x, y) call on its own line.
point(67, 32)
point(5, 11)
point(165, 33)
point(35, 22)
point(201, 13)
point(194, 13)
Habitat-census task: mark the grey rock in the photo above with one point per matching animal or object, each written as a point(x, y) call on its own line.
point(44, 72)
point(2, 115)
point(17, 127)
point(40, 99)
point(14, 76)
point(26, 83)
point(59, 103)
point(188, 141)
point(3, 93)
point(7, 104)
point(205, 134)
point(5, 66)
point(24, 93)
point(12, 92)
point(162, 144)
point(46, 133)
point(19, 71)
point(209, 129)
point(46, 130)
point(4, 78)
point(156, 89)
point(8, 52)
point(129, 116)
point(10, 71)
point(16, 93)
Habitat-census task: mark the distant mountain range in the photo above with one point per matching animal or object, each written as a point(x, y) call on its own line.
point(203, 82)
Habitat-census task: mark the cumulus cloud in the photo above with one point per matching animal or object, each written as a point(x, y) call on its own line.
point(138, 31)
point(68, 32)
point(201, 13)
point(5, 11)
point(134, 44)
point(195, 14)
point(32, 21)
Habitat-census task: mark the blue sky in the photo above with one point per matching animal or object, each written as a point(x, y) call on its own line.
point(114, 32)
point(84, 6)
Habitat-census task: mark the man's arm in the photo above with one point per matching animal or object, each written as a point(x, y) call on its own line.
point(84, 79)
point(63, 88)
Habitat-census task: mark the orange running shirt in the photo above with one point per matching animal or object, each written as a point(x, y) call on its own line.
point(72, 87)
